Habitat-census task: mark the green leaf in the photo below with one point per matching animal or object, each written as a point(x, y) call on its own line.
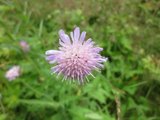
point(40, 103)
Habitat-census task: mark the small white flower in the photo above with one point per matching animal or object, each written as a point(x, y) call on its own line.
point(13, 73)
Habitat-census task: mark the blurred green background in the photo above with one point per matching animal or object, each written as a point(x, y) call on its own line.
point(128, 88)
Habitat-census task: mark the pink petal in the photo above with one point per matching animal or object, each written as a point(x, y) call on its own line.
point(64, 37)
point(82, 37)
point(76, 34)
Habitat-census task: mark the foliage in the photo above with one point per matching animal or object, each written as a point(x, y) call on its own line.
point(127, 30)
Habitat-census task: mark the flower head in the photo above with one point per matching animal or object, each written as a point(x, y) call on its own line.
point(13, 73)
point(24, 46)
point(76, 57)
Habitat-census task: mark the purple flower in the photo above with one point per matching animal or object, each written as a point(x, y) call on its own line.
point(24, 45)
point(13, 73)
point(76, 57)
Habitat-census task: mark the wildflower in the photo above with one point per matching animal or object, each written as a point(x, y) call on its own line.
point(76, 58)
point(24, 46)
point(13, 73)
